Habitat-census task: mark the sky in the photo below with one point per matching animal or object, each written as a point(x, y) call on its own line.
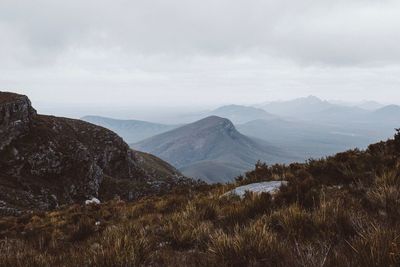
point(153, 54)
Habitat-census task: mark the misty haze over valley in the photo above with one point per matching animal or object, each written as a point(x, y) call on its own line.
point(282, 132)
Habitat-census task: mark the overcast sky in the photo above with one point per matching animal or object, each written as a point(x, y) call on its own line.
point(199, 53)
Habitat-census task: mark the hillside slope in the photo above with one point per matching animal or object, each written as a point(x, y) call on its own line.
point(47, 161)
point(215, 140)
point(338, 211)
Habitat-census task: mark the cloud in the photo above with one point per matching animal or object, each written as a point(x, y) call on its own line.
point(329, 32)
point(200, 51)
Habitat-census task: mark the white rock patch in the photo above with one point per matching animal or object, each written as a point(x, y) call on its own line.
point(93, 200)
point(257, 188)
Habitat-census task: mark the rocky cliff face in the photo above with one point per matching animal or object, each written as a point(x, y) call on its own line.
point(47, 161)
point(16, 115)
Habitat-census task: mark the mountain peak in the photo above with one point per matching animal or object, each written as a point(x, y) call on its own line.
point(210, 124)
point(210, 149)
point(7, 97)
point(19, 102)
point(217, 124)
point(314, 99)
point(214, 121)
point(16, 115)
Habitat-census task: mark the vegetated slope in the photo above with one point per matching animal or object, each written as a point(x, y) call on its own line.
point(156, 167)
point(241, 114)
point(131, 131)
point(339, 211)
point(215, 140)
point(213, 171)
point(47, 161)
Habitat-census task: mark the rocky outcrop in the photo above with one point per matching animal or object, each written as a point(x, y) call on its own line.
point(47, 161)
point(16, 115)
point(270, 187)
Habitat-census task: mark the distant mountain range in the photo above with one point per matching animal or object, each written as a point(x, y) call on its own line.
point(387, 115)
point(311, 127)
point(211, 149)
point(276, 132)
point(49, 161)
point(306, 139)
point(368, 105)
point(298, 108)
point(131, 131)
point(241, 114)
point(313, 109)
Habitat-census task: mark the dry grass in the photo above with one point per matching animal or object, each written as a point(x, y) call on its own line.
point(316, 220)
point(248, 246)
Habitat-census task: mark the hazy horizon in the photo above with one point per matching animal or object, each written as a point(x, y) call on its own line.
point(162, 114)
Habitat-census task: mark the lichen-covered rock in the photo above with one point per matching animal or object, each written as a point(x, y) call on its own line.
point(47, 161)
point(270, 187)
point(92, 201)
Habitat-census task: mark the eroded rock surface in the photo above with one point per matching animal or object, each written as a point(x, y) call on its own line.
point(47, 161)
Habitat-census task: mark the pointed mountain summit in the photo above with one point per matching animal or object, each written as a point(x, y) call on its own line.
point(211, 149)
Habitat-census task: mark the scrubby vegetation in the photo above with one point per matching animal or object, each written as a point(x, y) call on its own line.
point(340, 211)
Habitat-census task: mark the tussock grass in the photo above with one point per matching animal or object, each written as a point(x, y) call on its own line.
point(339, 211)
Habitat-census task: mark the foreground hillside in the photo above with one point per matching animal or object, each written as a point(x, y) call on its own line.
point(339, 211)
point(48, 161)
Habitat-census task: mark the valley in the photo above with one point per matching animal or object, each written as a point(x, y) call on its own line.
point(277, 132)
